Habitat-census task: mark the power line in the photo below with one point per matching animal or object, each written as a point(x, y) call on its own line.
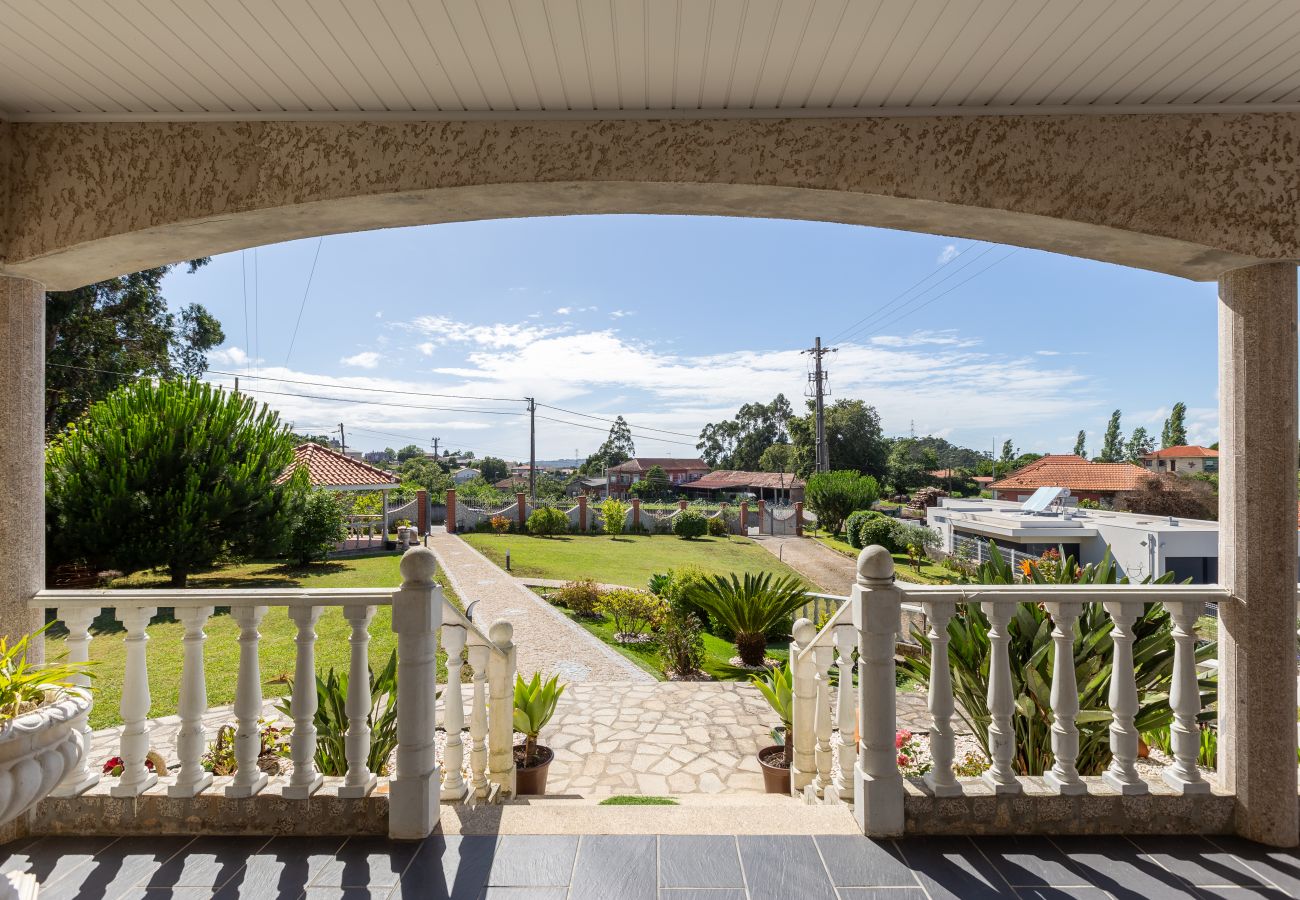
point(243, 280)
point(653, 440)
point(303, 305)
point(917, 309)
point(349, 387)
point(573, 412)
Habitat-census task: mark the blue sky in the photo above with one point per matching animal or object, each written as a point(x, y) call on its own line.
point(676, 321)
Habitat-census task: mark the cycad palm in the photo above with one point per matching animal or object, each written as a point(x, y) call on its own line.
point(750, 608)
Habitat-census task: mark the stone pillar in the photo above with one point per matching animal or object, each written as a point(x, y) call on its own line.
point(582, 513)
point(636, 513)
point(744, 518)
point(762, 508)
point(798, 519)
point(1257, 549)
point(521, 500)
point(422, 512)
point(451, 510)
point(22, 457)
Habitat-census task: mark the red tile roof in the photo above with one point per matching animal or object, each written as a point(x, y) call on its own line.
point(1075, 473)
point(329, 468)
point(641, 464)
point(733, 480)
point(1185, 451)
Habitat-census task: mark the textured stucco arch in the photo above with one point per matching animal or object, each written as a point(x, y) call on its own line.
point(1191, 195)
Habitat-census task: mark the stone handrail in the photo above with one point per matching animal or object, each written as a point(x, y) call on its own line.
point(421, 615)
point(869, 623)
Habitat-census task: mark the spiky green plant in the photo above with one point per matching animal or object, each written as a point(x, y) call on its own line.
point(535, 702)
point(24, 685)
point(749, 608)
point(1032, 653)
point(777, 688)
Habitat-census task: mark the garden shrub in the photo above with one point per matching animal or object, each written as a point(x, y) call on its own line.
point(317, 527)
point(660, 584)
point(834, 495)
point(581, 597)
point(690, 524)
point(681, 580)
point(634, 613)
point(751, 608)
point(853, 524)
point(500, 524)
point(681, 645)
point(876, 530)
point(906, 535)
point(547, 520)
point(718, 527)
point(614, 514)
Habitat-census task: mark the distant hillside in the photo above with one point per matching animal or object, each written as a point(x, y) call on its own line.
point(950, 455)
point(558, 463)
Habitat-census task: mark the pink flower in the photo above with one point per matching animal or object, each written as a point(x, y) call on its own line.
point(903, 760)
point(901, 738)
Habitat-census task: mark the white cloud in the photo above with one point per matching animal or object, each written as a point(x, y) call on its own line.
point(379, 314)
point(365, 360)
point(499, 336)
point(426, 348)
point(1047, 352)
point(621, 313)
point(228, 356)
point(948, 253)
point(945, 338)
point(563, 310)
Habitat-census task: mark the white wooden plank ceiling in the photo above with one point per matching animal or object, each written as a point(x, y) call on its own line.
point(89, 59)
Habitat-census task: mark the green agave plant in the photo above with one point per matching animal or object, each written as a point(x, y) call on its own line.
point(535, 702)
point(1032, 654)
point(750, 608)
point(777, 688)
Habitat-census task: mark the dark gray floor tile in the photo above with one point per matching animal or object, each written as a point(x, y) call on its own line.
point(1043, 892)
point(207, 862)
point(348, 893)
point(615, 865)
point(704, 894)
point(778, 867)
point(882, 893)
point(1245, 893)
point(1029, 861)
point(281, 869)
point(533, 860)
point(699, 861)
point(167, 893)
point(449, 866)
point(51, 858)
point(953, 867)
point(371, 862)
point(1114, 864)
point(1198, 861)
point(128, 863)
point(527, 893)
point(857, 861)
point(1278, 866)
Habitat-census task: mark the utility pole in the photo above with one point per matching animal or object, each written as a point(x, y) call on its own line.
point(435, 447)
point(236, 384)
point(532, 449)
point(822, 459)
point(343, 441)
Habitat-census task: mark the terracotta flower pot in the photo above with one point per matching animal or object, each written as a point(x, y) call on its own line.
point(776, 779)
point(532, 779)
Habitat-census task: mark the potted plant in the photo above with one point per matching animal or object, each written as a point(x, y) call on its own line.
point(534, 705)
point(39, 744)
point(776, 760)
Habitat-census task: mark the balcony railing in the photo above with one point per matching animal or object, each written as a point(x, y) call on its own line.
point(866, 772)
point(422, 619)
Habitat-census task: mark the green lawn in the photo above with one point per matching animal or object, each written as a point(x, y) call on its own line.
point(931, 572)
point(221, 652)
point(629, 560)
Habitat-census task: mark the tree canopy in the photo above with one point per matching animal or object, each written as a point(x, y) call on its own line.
point(833, 495)
point(493, 469)
point(1112, 445)
point(1139, 445)
point(739, 442)
point(1174, 434)
point(853, 437)
point(617, 448)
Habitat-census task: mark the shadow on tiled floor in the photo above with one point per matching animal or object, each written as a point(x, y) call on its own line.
point(648, 867)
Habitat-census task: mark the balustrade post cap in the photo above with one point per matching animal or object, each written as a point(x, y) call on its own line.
point(418, 565)
point(875, 564)
point(804, 632)
point(501, 632)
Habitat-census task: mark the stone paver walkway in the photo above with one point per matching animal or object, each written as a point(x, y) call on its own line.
point(547, 641)
point(833, 572)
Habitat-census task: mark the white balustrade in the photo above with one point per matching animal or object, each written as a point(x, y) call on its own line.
point(823, 657)
point(419, 611)
point(453, 711)
point(82, 777)
point(359, 780)
point(804, 697)
point(1000, 775)
point(1063, 776)
point(193, 703)
point(943, 743)
point(841, 788)
point(1122, 775)
point(1185, 701)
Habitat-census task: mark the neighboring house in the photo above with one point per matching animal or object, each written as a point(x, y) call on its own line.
point(1085, 480)
point(1184, 460)
point(729, 483)
point(591, 487)
point(513, 483)
point(679, 471)
point(465, 475)
point(333, 471)
point(1141, 545)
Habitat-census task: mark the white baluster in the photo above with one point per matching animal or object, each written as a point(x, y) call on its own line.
point(1002, 735)
point(804, 698)
point(823, 657)
point(478, 660)
point(249, 779)
point(1064, 776)
point(841, 789)
point(135, 779)
point(453, 711)
point(305, 779)
point(81, 777)
point(1122, 774)
point(940, 778)
point(877, 783)
point(1185, 701)
point(501, 690)
point(359, 780)
point(417, 616)
point(193, 704)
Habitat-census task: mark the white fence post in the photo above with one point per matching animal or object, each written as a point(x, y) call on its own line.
point(841, 789)
point(453, 711)
point(134, 743)
point(359, 780)
point(249, 779)
point(1185, 700)
point(1064, 776)
point(1000, 775)
point(81, 777)
point(940, 778)
point(501, 707)
point(1122, 775)
point(417, 617)
point(193, 703)
point(877, 783)
point(305, 779)
point(804, 716)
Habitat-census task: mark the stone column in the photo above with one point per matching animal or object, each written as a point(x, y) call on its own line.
point(582, 513)
point(22, 459)
point(521, 500)
point(744, 518)
point(1257, 549)
point(422, 512)
point(798, 519)
point(762, 508)
point(451, 510)
point(636, 513)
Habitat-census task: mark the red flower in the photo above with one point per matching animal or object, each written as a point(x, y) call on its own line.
point(902, 759)
point(901, 738)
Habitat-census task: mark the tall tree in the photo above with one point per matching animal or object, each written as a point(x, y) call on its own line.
point(410, 451)
point(617, 448)
point(1139, 445)
point(777, 458)
point(1175, 430)
point(1006, 462)
point(1080, 447)
point(1112, 445)
point(738, 443)
point(104, 335)
point(492, 469)
point(853, 436)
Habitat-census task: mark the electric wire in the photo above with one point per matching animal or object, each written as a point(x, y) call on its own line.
point(302, 306)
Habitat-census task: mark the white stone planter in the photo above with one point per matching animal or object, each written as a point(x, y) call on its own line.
point(36, 751)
